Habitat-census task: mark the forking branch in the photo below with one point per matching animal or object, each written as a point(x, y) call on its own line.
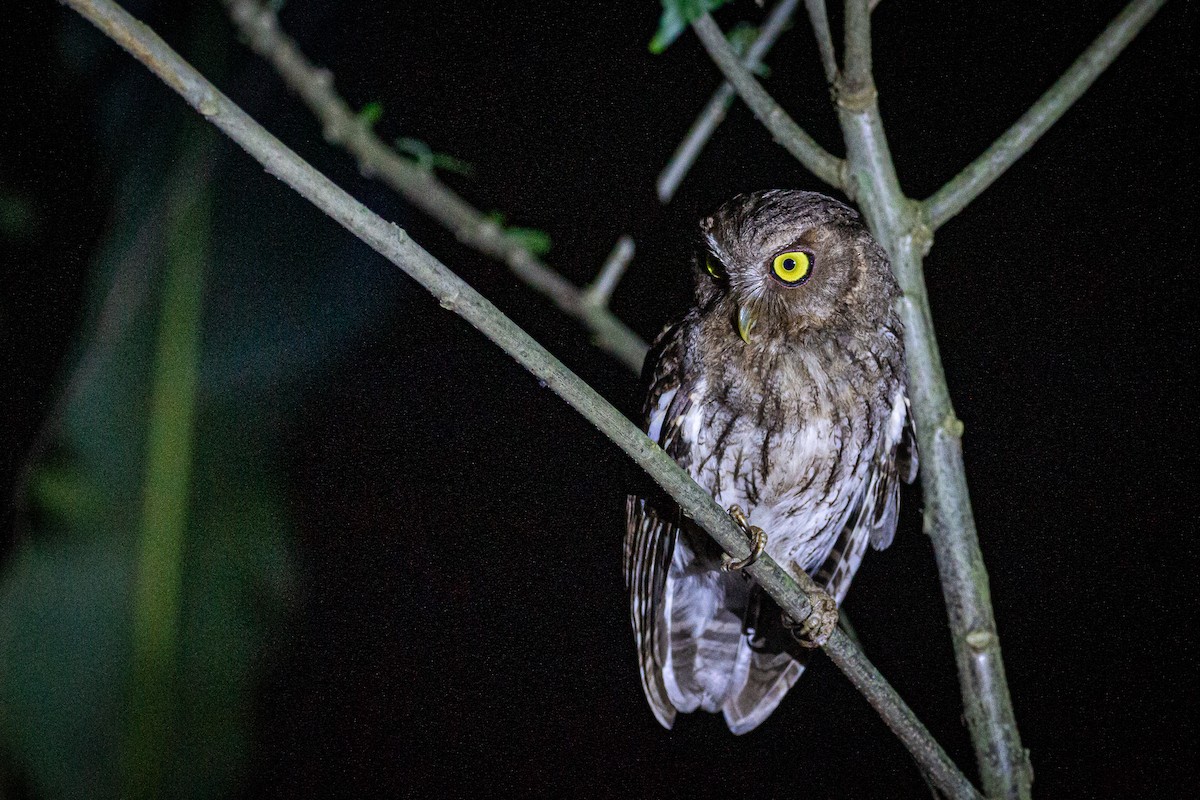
point(783, 128)
point(714, 111)
point(905, 228)
point(259, 25)
point(454, 294)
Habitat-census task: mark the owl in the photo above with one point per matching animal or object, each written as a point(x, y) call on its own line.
point(782, 392)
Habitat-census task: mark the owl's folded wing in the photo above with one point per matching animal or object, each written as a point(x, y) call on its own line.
point(649, 545)
point(896, 461)
point(873, 517)
point(650, 537)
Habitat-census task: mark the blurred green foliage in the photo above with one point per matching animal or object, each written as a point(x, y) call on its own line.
point(153, 575)
point(676, 16)
point(426, 158)
point(154, 555)
point(740, 37)
point(371, 113)
point(535, 240)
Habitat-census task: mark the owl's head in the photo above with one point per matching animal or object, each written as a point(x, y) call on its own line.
point(785, 259)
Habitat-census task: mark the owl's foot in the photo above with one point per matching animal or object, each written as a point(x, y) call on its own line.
point(758, 540)
point(815, 629)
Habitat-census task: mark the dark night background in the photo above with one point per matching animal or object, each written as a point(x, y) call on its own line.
point(453, 619)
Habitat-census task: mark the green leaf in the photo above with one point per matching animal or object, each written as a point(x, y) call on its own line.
point(371, 113)
point(427, 159)
point(532, 239)
point(677, 15)
point(741, 36)
point(449, 163)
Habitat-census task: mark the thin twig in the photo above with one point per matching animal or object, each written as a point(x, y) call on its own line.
point(783, 128)
point(818, 16)
point(420, 187)
point(952, 198)
point(455, 295)
point(1003, 764)
point(597, 294)
point(714, 113)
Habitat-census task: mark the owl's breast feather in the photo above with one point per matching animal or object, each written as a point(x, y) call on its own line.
point(795, 454)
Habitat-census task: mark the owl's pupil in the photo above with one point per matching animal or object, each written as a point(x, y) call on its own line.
point(789, 264)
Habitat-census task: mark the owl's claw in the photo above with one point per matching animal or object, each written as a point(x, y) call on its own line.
point(758, 540)
point(814, 630)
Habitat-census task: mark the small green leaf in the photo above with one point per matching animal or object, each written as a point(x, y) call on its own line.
point(417, 150)
point(427, 159)
point(371, 113)
point(451, 164)
point(495, 216)
point(677, 15)
point(532, 239)
point(741, 36)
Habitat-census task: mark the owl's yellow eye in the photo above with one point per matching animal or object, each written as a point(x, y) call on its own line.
point(792, 267)
point(713, 269)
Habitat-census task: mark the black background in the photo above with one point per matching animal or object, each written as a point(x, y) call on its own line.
point(462, 623)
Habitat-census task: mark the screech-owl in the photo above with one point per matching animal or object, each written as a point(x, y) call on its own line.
point(781, 391)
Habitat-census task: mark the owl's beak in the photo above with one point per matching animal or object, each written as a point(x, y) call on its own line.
point(745, 322)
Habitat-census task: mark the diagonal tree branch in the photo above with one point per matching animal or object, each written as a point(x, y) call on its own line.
point(714, 113)
point(601, 289)
point(1003, 763)
point(783, 128)
point(952, 198)
point(454, 294)
point(420, 187)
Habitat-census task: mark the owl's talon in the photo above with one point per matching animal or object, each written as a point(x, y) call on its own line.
point(758, 541)
point(814, 630)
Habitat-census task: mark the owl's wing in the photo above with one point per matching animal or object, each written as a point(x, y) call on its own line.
point(896, 461)
point(650, 536)
point(873, 518)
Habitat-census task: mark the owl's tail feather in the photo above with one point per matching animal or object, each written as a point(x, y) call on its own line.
point(702, 619)
point(711, 661)
point(766, 682)
point(769, 673)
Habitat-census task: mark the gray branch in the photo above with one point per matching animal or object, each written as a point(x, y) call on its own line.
point(952, 198)
point(454, 294)
point(420, 186)
point(818, 15)
point(714, 113)
point(857, 71)
point(1003, 764)
point(782, 127)
point(600, 290)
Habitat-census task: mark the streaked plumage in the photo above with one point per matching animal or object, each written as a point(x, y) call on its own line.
point(804, 425)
